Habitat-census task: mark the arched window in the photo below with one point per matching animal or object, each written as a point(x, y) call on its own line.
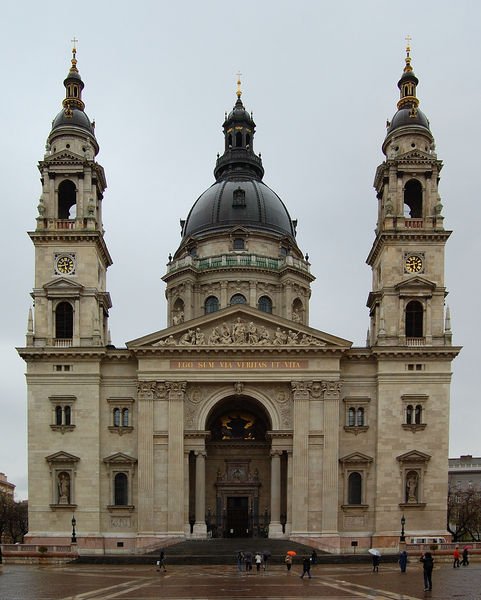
point(418, 413)
point(360, 417)
point(354, 489)
point(67, 412)
point(125, 417)
point(414, 319)
point(238, 140)
point(238, 299)
point(64, 321)
point(248, 140)
point(121, 489)
point(116, 417)
point(211, 305)
point(265, 304)
point(58, 415)
point(229, 140)
point(67, 200)
point(351, 417)
point(413, 199)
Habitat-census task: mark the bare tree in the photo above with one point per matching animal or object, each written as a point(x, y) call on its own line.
point(464, 514)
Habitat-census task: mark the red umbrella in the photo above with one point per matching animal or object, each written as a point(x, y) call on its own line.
point(291, 553)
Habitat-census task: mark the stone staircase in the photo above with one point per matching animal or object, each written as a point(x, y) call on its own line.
point(217, 551)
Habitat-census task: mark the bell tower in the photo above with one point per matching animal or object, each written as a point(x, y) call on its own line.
point(71, 303)
point(407, 257)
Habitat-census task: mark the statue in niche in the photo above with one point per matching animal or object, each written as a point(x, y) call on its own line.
point(63, 488)
point(412, 487)
point(296, 316)
point(178, 317)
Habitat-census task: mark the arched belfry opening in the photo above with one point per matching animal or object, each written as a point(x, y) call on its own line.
point(237, 469)
point(413, 199)
point(67, 200)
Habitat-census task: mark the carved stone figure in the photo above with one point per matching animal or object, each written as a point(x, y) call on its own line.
point(63, 488)
point(239, 332)
point(178, 317)
point(412, 487)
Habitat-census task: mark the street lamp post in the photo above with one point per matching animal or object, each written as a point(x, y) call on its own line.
point(403, 522)
point(74, 537)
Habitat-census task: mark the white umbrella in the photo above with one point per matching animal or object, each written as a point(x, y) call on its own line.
point(374, 552)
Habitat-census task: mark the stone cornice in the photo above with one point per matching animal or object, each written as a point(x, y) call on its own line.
point(402, 235)
point(236, 350)
point(73, 235)
point(416, 352)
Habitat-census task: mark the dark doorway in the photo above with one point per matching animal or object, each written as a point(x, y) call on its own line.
point(238, 517)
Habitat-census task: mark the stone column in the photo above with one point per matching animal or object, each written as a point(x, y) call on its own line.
point(175, 457)
point(300, 457)
point(186, 493)
point(252, 294)
point(223, 294)
point(330, 463)
point(145, 394)
point(200, 528)
point(289, 493)
point(188, 303)
point(275, 527)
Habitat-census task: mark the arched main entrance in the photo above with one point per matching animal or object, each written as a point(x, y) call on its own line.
point(238, 469)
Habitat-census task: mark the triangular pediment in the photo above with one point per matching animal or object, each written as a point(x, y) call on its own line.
point(64, 156)
point(240, 326)
point(417, 155)
point(62, 282)
point(416, 284)
point(238, 230)
point(356, 458)
point(62, 457)
point(119, 458)
point(413, 456)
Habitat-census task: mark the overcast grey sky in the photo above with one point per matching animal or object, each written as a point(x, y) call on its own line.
point(321, 80)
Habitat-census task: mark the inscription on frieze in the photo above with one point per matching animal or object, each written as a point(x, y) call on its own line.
point(241, 365)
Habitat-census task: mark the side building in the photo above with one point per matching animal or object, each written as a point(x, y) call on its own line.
point(239, 419)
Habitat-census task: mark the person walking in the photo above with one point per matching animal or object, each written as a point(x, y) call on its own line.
point(306, 567)
point(248, 561)
point(465, 561)
point(258, 561)
point(456, 557)
point(288, 561)
point(161, 561)
point(376, 559)
point(428, 565)
point(240, 560)
point(314, 557)
point(265, 558)
point(403, 561)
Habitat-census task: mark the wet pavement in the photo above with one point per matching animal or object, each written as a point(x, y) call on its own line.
point(336, 582)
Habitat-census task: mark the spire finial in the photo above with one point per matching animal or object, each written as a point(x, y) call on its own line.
point(74, 54)
point(239, 91)
point(408, 54)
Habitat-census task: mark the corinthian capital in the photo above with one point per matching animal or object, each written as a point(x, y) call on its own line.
point(331, 389)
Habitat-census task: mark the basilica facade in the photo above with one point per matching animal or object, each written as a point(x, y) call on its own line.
point(239, 419)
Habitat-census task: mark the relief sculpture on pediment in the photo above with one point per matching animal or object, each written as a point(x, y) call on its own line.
point(240, 333)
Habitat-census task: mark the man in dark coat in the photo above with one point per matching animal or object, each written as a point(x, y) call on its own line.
point(306, 567)
point(428, 565)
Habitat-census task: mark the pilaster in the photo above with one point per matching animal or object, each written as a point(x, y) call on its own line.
point(175, 457)
point(300, 456)
point(331, 391)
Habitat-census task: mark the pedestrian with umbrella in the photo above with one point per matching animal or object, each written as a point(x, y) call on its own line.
point(376, 559)
point(288, 560)
point(265, 555)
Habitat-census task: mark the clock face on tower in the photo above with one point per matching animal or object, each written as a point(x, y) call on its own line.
point(413, 263)
point(64, 264)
